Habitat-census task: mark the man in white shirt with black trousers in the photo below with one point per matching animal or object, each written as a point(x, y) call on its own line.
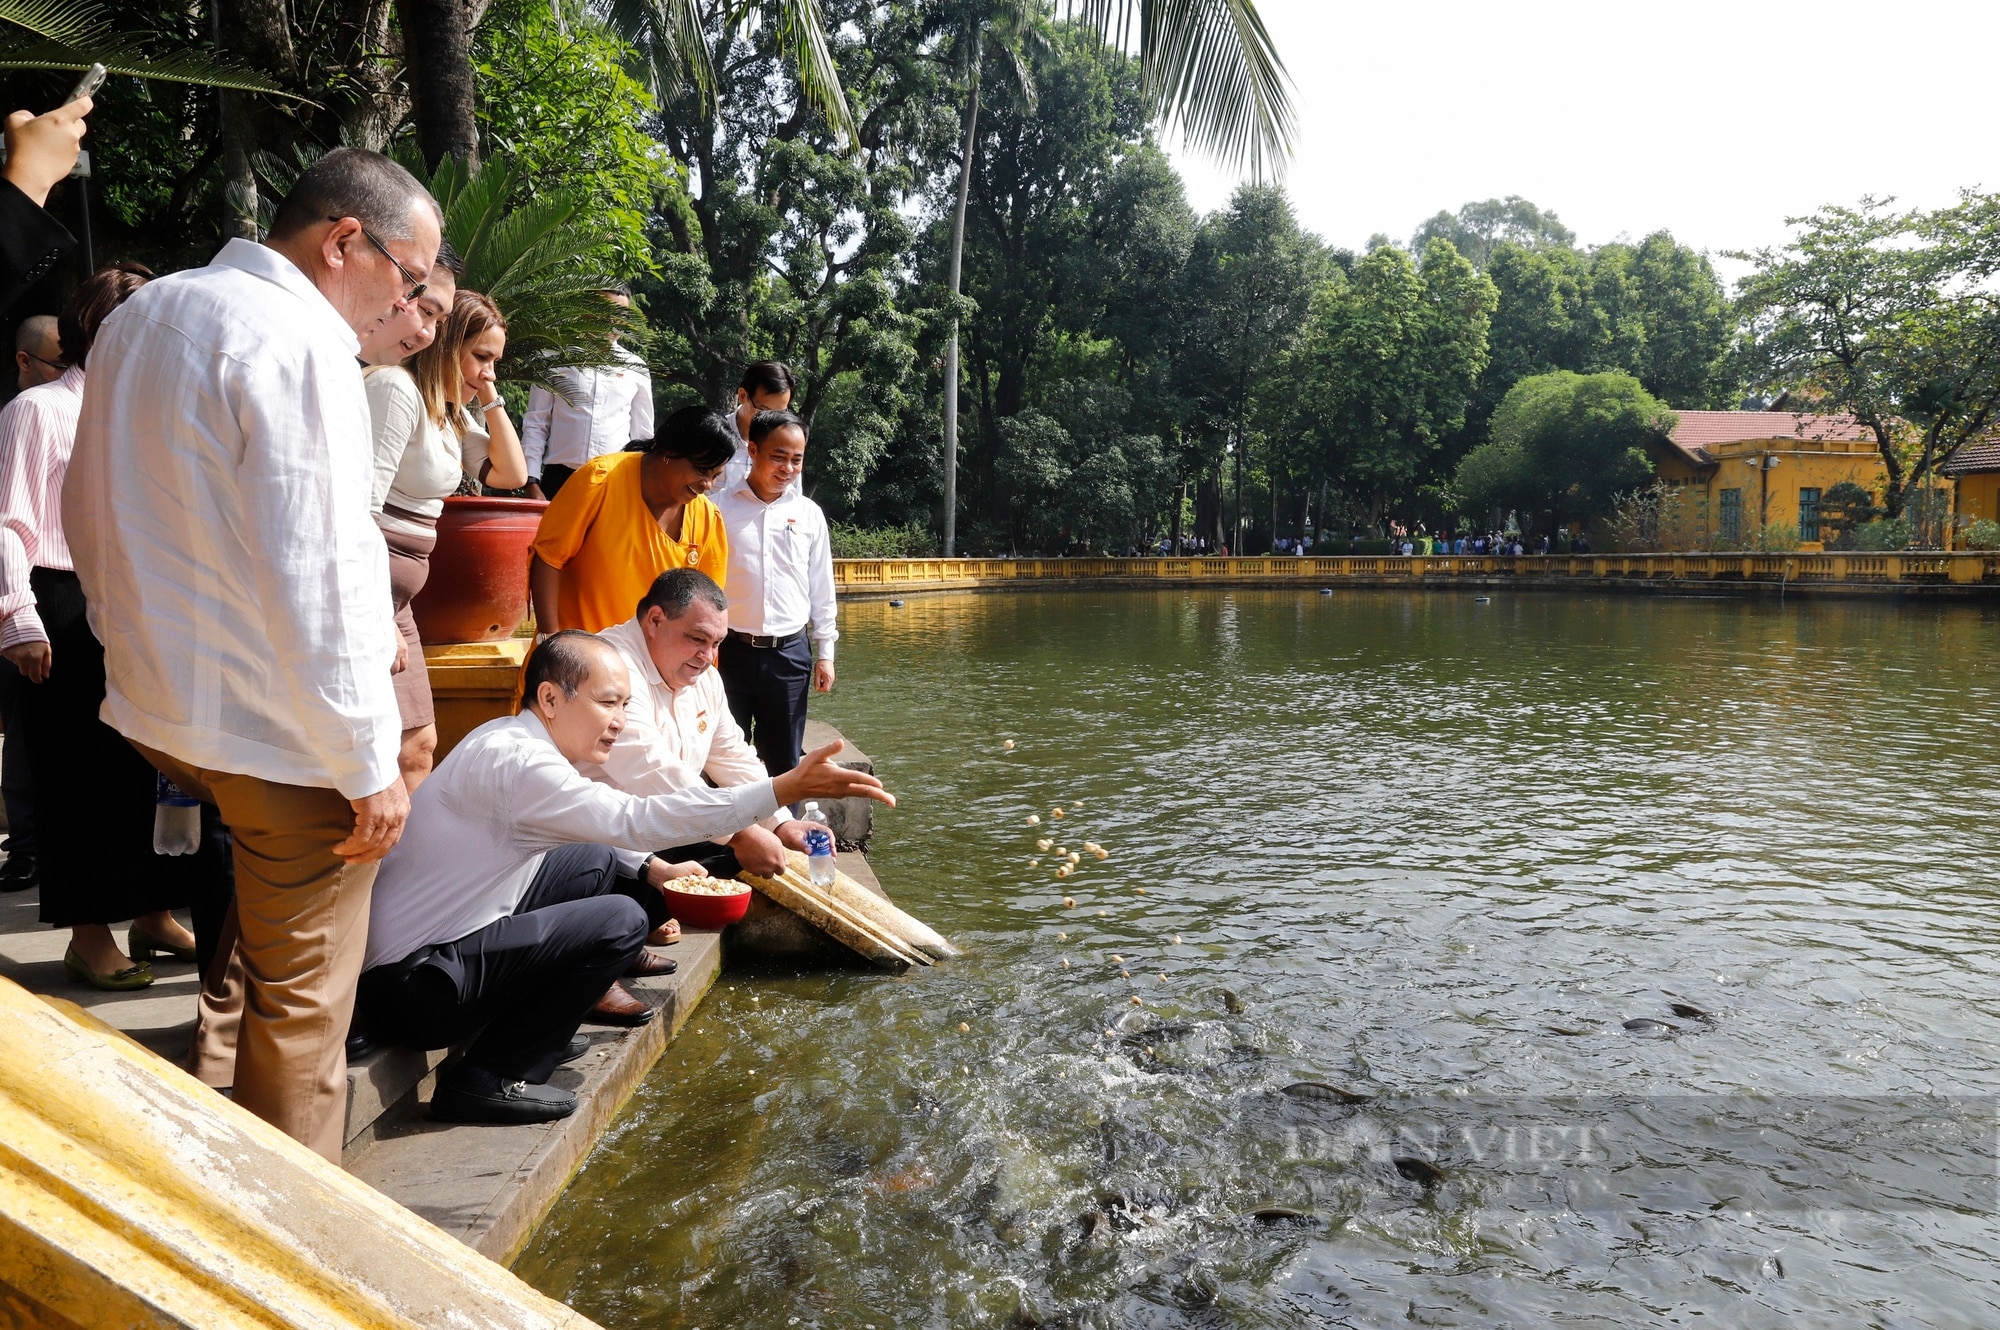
point(602, 411)
point(780, 582)
point(502, 913)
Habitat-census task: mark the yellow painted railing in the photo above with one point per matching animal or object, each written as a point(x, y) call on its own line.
point(1905, 569)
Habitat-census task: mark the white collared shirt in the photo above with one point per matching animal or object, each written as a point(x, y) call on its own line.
point(503, 798)
point(608, 408)
point(780, 566)
point(674, 736)
point(37, 431)
point(217, 511)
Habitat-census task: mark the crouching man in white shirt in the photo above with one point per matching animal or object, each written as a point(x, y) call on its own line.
point(678, 729)
point(502, 912)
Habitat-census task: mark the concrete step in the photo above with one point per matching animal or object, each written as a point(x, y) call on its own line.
point(489, 1186)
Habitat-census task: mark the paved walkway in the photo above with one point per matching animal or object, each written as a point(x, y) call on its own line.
point(160, 1017)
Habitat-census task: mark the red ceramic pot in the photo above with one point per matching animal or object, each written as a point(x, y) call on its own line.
point(477, 590)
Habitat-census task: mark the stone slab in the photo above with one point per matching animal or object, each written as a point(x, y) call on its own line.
point(489, 1186)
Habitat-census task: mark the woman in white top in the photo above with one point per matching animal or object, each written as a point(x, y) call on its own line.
point(437, 425)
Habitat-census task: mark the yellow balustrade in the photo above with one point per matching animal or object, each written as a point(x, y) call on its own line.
point(1967, 568)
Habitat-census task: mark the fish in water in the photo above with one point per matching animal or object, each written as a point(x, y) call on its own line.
point(1319, 1090)
point(1646, 1025)
point(1420, 1171)
point(1688, 1012)
point(1569, 1032)
point(1233, 1004)
point(1282, 1214)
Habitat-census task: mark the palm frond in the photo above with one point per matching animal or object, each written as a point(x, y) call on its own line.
point(668, 38)
point(1209, 68)
point(72, 36)
point(802, 37)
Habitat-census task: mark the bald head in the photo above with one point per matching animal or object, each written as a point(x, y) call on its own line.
point(37, 351)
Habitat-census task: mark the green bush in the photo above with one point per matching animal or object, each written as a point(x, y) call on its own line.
point(1879, 537)
point(1983, 535)
point(910, 541)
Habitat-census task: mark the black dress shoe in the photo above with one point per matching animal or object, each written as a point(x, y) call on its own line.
point(359, 1045)
point(578, 1046)
point(473, 1094)
point(18, 873)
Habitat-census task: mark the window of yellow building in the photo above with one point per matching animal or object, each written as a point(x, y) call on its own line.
point(1732, 515)
point(1808, 514)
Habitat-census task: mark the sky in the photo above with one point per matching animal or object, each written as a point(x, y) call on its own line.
point(1713, 120)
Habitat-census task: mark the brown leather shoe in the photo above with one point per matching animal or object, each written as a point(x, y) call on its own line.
point(646, 963)
point(617, 1007)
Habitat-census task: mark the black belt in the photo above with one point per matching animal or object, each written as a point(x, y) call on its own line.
point(760, 640)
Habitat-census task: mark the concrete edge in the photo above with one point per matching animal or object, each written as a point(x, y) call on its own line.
point(541, 1179)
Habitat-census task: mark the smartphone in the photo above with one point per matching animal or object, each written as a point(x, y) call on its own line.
point(93, 79)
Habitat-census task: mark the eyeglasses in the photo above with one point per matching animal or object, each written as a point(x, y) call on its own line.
point(416, 282)
point(55, 365)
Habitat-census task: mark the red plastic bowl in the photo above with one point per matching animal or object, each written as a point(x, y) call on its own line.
point(707, 911)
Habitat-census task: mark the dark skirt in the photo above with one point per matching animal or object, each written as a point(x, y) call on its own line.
point(94, 794)
point(409, 569)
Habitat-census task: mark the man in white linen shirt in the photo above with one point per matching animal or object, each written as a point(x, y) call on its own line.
point(217, 511)
point(604, 410)
point(780, 579)
point(678, 731)
point(502, 914)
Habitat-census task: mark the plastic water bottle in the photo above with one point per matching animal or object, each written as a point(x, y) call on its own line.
point(819, 845)
point(176, 818)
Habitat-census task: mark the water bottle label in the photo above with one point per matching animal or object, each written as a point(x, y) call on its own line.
point(819, 842)
point(167, 793)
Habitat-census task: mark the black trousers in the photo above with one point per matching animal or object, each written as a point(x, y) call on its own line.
point(529, 979)
point(15, 776)
point(554, 477)
point(94, 793)
point(715, 860)
point(766, 687)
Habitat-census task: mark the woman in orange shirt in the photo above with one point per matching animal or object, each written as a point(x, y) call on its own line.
point(625, 518)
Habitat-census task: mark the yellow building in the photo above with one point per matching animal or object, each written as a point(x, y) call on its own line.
point(1746, 472)
point(1974, 471)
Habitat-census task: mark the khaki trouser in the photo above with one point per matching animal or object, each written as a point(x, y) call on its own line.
point(277, 999)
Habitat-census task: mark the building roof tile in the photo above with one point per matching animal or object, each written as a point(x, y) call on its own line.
point(1697, 430)
point(1981, 455)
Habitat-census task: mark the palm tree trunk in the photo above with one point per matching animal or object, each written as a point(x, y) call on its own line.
point(437, 50)
point(951, 346)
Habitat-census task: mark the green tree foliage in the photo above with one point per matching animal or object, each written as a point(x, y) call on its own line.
point(1888, 316)
point(1383, 372)
point(1563, 447)
point(557, 102)
point(1476, 228)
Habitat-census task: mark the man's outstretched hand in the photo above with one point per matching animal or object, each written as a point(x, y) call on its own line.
point(816, 777)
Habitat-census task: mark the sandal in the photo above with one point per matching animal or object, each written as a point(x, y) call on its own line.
point(665, 935)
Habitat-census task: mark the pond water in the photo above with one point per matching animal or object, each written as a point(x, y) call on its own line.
point(1412, 847)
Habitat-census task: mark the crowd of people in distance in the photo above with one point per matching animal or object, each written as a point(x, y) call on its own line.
point(219, 493)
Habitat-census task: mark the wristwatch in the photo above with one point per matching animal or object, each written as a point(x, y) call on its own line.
point(646, 866)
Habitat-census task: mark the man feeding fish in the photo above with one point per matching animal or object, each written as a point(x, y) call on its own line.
point(503, 910)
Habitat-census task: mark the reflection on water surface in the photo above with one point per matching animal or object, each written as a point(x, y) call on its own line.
point(1416, 849)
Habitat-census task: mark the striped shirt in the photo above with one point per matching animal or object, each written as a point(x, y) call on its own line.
point(37, 432)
